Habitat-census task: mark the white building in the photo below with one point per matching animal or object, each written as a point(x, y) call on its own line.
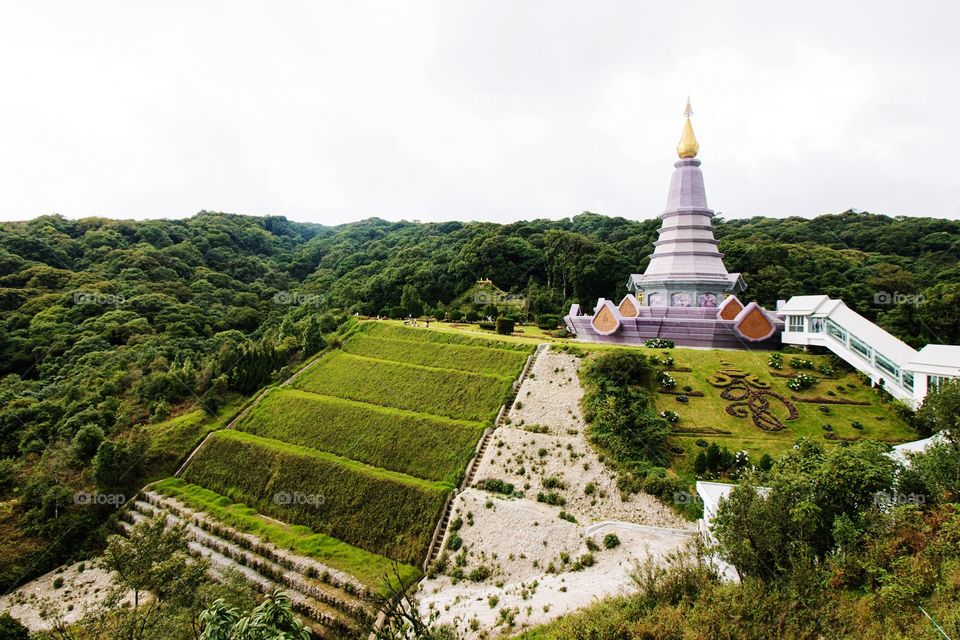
point(903, 371)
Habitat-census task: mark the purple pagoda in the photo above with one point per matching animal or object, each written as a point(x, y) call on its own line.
point(686, 293)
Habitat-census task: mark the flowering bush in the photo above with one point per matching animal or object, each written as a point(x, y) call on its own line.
point(658, 343)
point(666, 380)
point(776, 360)
point(801, 363)
point(670, 416)
point(801, 381)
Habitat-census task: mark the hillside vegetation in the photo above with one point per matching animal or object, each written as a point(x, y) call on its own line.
point(110, 324)
point(417, 444)
point(374, 509)
point(443, 392)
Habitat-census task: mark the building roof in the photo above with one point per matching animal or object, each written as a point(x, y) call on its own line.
point(805, 305)
point(944, 358)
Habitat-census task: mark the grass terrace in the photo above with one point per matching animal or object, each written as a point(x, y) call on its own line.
point(378, 510)
point(492, 361)
point(418, 444)
point(443, 392)
point(369, 568)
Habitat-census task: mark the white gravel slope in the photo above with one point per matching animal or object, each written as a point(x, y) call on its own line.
point(518, 539)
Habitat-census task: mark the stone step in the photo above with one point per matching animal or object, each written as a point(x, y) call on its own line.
point(352, 611)
point(330, 623)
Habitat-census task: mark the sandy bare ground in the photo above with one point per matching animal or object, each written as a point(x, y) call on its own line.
point(540, 566)
point(38, 604)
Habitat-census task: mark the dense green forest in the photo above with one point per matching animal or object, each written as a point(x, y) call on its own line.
point(109, 328)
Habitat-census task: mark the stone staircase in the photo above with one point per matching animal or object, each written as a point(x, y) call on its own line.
point(339, 606)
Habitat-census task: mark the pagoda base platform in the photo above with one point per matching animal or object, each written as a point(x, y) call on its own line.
point(751, 328)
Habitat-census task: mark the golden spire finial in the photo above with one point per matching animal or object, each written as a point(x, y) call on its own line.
point(688, 147)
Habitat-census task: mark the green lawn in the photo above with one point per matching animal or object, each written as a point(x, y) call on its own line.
point(417, 444)
point(879, 420)
point(443, 392)
point(370, 568)
point(378, 510)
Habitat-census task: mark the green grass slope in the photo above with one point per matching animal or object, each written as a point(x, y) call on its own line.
point(396, 331)
point(443, 392)
point(381, 511)
point(417, 444)
point(499, 362)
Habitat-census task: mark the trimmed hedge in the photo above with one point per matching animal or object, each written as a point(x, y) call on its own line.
point(417, 444)
point(442, 392)
point(381, 511)
point(499, 362)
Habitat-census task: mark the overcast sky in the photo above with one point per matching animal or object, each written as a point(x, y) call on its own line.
point(484, 110)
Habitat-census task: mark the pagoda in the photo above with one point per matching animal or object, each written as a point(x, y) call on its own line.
point(685, 295)
point(686, 269)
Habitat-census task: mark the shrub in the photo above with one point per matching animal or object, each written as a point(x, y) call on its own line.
point(548, 322)
point(682, 399)
point(857, 425)
point(552, 498)
point(505, 326)
point(687, 388)
point(775, 361)
point(496, 485)
point(700, 442)
point(456, 315)
point(670, 416)
point(658, 343)
point(487, 326)
point(57, 582)
point(563, 515)
point(611, 541)
point(801, 363)
point(472, 316)
point(801, 381)
point(553, 482)
point(666, 380)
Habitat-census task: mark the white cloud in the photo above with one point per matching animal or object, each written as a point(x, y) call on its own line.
point(334, 111)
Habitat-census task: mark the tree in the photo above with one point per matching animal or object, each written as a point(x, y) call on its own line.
point(86, 441)
point(272, 619)
point(410, 300)
point(766, 532)
point(12, 629)
point(940, 409)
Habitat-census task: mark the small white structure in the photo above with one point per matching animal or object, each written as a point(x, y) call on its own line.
point(901, 453)
point(907, 374)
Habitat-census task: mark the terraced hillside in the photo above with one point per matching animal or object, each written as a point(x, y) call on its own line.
point(329, 484)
